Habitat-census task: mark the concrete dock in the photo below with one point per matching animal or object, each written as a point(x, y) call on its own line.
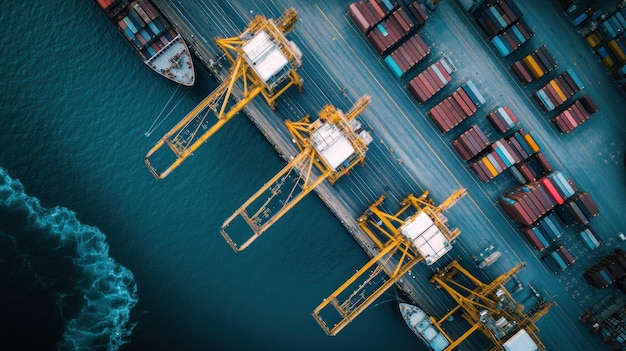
point(410, 155)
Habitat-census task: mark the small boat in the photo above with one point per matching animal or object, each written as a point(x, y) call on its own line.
point(419, 322)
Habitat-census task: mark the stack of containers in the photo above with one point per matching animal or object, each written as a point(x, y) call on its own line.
point(431, 80)
point(558, 90)
point(407, 55)
point(590, 238)
point(457, 107)
point(501, 157)
point(578, 210)
point(520, 146)
point(535, 237)
point(558, 186)
point(559, 259)
point(396, 27)
point(527, 203)
point(618, 47)
point(548, 229)
point(591, 13)
point(605, 272)
point(614, 25)
point(367, 14)
point(511, 39)
point(594, 38)
point(494, 16)
point(534, 66)
point(619, 74)
point(575, 114)
point(502, 119)
point(532, 168)
point(470, 143)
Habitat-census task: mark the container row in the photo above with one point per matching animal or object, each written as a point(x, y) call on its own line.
point(494, 16)
point(526, 203)
point(558, 90)
point(534, 66)
point(558, 260)
point(532, 168)
point(407, 55)
point(470, 143)
point(547, 230)
point(502, 119)
point(608, 270)
point(518, 146)
point(367, 14)
point(590, 238)
point(575, 114)
point(454, 109)
point(580, 209)
point(396, 27)
point(426, 84)
point(511, 39)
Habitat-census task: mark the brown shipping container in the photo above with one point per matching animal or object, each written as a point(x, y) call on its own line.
point(358, 18)
point(449, 112)
point(472, 138)
point(507, 10)
point(543, 162)
point(455, 109)
point(377, 8)
point(496, 122)
point(486, 175)
point(588, 103)
point(467, 100)
point(427, 85)
point(589, 204)
point(434, 116)
point(526, 172)
point(461, 103)
point(461, 150)
point(482, 137)
point(570, 82)
point(446, 121)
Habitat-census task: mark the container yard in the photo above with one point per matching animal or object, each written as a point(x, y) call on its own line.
point(449, 110)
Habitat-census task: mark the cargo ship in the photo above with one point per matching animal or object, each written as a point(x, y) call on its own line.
point(420, 324)
point(152, 37)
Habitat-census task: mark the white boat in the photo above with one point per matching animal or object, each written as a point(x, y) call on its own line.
point(420, 324)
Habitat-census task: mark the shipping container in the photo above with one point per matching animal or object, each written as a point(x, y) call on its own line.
point(590, 238)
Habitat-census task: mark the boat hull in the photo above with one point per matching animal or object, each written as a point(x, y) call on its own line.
point(419, 322)
point(151, 35)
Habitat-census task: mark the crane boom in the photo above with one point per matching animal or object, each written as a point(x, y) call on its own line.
point(329, 148)
point(268, 72)
point(397, 255)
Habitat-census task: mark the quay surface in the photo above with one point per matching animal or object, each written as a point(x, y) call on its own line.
point(410, 155)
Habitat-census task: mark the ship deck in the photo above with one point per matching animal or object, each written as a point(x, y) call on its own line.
point(174, 62)
point(410, 155)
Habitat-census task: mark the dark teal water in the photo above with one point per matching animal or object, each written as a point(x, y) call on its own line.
point(96, 254)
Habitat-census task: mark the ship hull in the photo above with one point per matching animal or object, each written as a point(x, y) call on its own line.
point(419, 322)
point(151, 35)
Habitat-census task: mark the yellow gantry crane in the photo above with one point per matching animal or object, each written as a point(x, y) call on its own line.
point(329, 148)
point(416, 232)
point(491, 309)
point(262, 61)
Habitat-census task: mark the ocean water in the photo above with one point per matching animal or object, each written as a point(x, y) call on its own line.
point(96, 254)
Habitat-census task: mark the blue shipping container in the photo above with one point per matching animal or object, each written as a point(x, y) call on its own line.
point(473, 93)
point(391, 63)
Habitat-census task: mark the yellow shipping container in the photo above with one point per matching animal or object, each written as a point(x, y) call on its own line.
point(608, 62)
point(489, 166)
point(533, 66)
point(617, 50)
point(558, 90)
point(531, 143)
point(593, 39)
